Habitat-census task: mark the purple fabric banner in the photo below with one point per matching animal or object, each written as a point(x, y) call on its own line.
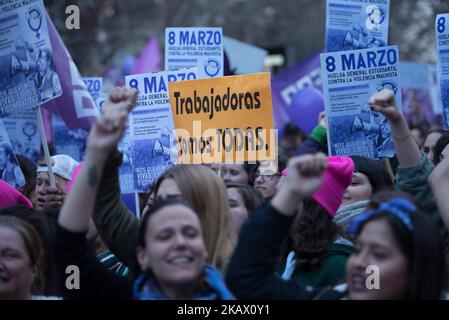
point(287, 83)
point(76, 106)
point(150, 59)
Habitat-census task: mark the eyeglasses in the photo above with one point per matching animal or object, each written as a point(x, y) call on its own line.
point(265, 177)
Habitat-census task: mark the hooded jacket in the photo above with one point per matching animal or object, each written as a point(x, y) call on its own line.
point(329, 272)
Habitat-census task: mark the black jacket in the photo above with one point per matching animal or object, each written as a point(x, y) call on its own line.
point(95, 282)
point(251, 273)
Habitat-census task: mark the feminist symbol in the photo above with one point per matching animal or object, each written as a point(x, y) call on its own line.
point(29, 130)
point(34, 18)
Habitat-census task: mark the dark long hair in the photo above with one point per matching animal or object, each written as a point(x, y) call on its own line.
point(439, 147)
point(28, 168)
point(376, 173)
point(311, 235)
point(251, 169)
point(423, 248)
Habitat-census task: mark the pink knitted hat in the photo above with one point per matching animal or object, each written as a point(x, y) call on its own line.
point(11, 197)
point(337, 179)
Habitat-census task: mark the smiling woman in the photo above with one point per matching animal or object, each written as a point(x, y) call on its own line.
point(21, 253)
point(401, 244)
point(171, 249)
point(172, 255)
point(369, 178)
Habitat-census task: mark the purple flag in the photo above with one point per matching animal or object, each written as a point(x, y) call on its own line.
point(287, 83)
point(150, 59)
point(76, 106)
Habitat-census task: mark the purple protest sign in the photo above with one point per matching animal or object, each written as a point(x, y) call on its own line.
point(150, 60)
point(76, 106)
point(287, 83)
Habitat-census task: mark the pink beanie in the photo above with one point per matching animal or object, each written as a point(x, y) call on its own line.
point(11, 197)
point(74, 175)
point(337, 179)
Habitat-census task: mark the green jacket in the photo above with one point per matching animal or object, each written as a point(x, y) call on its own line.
point(330, 271)
point(413, 180)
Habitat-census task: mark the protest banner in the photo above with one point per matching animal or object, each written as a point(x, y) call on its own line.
point(151, 125)
point(350, 79)
point(417, 103)
point(224, 120)
point(9, 168)
point(75, 106)
point(22, 129)
point(442, 40)
point(27, 73)
point(356, 24)
point(289, 82)
point(72, 142)
point(95, 87)
point(126, 178)
point(244, 58)
point(100, 102)
point(69, 142)
point(129, 199)
point(195, 47)
point(150, 59)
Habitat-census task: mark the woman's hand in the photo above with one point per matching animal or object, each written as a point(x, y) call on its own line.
point(305, 174)
point(304, 178)
point(110, 126)
point(385, 103)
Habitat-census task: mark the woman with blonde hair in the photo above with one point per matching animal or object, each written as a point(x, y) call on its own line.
point(198, 185)
point(169, 247)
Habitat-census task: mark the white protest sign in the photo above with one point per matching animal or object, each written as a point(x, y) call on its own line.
point(195, 47)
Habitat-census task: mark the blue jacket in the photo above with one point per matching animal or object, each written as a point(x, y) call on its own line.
point(212, 288)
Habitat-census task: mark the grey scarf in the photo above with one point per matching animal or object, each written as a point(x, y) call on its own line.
point(346, 214)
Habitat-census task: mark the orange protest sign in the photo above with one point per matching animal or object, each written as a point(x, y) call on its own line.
point(224, 120)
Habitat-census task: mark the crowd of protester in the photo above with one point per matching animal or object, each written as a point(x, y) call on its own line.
point(309, 226)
